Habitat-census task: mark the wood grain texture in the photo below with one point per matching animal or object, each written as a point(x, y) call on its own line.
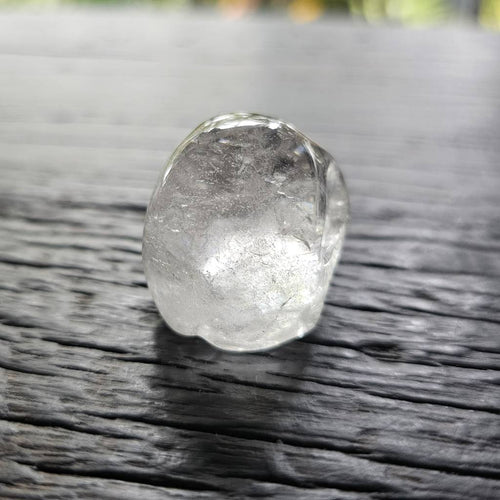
point(395, 395)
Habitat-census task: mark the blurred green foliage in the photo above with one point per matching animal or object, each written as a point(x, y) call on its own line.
point(411, 12)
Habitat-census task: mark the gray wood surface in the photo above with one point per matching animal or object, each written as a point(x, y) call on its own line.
point(395, 395)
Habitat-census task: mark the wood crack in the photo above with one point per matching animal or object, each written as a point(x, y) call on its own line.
point(129, 476)
point(397, 396)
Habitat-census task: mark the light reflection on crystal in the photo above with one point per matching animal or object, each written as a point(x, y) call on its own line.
point(243, 232)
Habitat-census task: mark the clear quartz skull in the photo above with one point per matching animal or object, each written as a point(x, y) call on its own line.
point(243, 232)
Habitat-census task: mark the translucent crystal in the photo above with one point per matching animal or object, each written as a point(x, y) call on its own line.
point(243, 231)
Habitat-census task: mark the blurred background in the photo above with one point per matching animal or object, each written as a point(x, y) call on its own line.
point(486, 13)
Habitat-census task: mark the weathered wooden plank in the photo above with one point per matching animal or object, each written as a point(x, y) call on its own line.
point(394, 395)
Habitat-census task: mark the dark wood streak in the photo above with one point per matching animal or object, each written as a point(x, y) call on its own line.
point(396, 393)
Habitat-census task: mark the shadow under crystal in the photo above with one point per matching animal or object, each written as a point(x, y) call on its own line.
point(232, 410)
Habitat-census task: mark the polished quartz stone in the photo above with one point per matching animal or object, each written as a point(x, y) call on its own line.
point(243, 231)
